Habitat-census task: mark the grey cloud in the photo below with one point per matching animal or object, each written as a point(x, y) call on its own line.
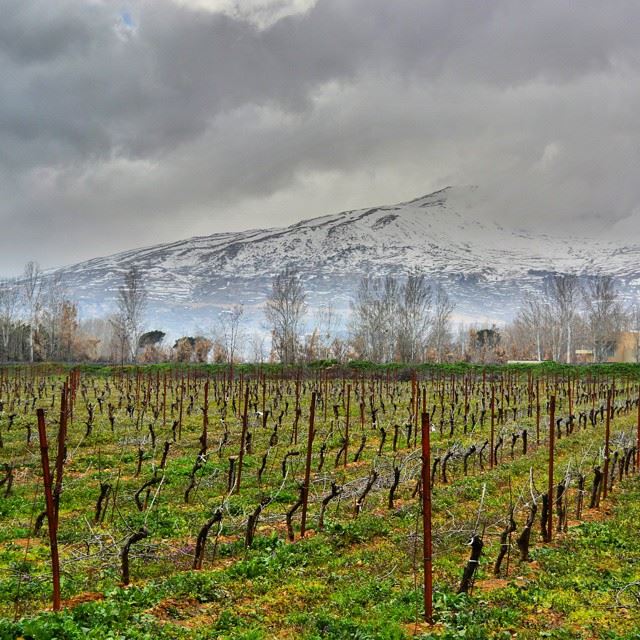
point(41, 32)
point(112, 136)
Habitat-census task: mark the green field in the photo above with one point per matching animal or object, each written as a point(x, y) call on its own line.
point(360, 575)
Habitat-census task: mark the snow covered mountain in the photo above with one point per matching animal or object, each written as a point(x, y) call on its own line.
point(484, 266)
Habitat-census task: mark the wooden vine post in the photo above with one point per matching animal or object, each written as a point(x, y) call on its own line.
point(346, 424)
point(50, 507)
point(493, 419)
point(607, 437)
point(62, 438)
point(638, 434)
point(180, 407)
point(307, 468)
point(426, 519)
point(552, 426)
point(243, 440)
point(205, 419)
point(538, 412)
point(164, 399)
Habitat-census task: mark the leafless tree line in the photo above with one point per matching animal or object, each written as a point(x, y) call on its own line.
point(575, 313)
point(38, 320)
point(393, 319)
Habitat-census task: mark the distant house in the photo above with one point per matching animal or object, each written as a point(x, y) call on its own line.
point(584, 356)
point(626, 349)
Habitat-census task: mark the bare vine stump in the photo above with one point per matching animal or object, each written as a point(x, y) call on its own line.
point(544, 518)
point(198, 556)
point(289, 517)
point(252, 522)
point(504, 544)
point(231, 476)
point(101, 504)
point(361, 498)
point(596, 488)
point(335, 492)
point(470, 569)
point(124, 554)
point(394, 486)
point(524, 539)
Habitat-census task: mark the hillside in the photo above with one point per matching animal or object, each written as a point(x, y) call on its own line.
point(485, 266)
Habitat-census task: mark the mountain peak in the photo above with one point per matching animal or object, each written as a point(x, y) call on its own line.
point(443, 234)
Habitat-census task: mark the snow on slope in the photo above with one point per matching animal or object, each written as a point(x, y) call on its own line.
point(485, 266)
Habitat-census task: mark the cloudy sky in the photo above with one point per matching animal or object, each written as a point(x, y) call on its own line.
point(125, 123)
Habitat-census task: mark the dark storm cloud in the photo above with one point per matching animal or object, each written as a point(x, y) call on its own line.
point(131, 123)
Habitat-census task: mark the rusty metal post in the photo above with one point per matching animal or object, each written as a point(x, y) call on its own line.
point(243, 439)
point(307, 469)
point(607, 437)
point(638, 434)
point(552, 426)
point(346, 425)
point(493, 418)
point(50, 507)
point(426, 519)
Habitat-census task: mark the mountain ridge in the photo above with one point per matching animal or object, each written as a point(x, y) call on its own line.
point(444, 234)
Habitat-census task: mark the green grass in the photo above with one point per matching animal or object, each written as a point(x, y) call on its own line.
point(342, 584)
point(359, 578)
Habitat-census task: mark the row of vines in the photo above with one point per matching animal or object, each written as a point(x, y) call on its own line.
point(108, 479)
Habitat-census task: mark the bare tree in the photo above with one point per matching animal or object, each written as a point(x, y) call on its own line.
point(339, 349)
point(532, 316)
point(53, 300)
point(67, 331)
point(518, 342)
point(604, 315)
point(258, 349)
point(201, 348)
point(414, 318)
point(32, 293)
point(311, 346)
point(462, 342)
point(9, 298)
point(326, 329)
point(230, 331)
point(392, 319)
point(132, 303)
point(634, 325)
point(374, 315)
point(440, 336)
point(98, 332)
point(120, 340)
point(562, 293)
point(284, 312)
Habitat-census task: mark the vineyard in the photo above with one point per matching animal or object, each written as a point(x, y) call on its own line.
point(212, 503)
